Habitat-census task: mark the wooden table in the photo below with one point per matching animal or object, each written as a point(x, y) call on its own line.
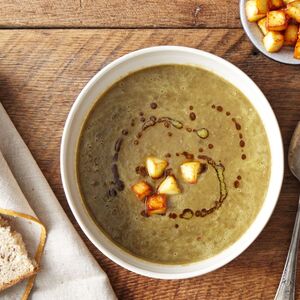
point(50, 49)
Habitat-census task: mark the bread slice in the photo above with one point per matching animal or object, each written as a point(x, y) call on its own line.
point(15, 265)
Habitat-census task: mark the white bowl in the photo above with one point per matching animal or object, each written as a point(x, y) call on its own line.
point(285, 55)
point(98, 85)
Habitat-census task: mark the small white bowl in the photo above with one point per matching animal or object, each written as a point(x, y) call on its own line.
point(97, 86)
point(285, 55)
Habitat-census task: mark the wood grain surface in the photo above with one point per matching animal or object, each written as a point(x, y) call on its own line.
point(116, 14)
point(42, 72)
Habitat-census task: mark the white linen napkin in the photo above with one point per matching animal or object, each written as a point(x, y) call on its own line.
point(68, 270)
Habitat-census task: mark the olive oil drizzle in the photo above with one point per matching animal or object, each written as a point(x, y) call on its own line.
point(219, 169)
point(202, 133)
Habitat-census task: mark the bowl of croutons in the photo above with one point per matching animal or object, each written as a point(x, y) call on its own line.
point(273, 28)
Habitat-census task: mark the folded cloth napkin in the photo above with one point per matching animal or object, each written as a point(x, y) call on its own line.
point(68, 270)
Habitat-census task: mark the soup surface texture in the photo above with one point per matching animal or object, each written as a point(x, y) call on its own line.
point(158, 112)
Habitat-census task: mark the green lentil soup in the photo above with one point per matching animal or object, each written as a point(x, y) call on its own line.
point(178, 113)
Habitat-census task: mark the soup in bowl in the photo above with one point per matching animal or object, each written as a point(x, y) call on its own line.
point(172, 161)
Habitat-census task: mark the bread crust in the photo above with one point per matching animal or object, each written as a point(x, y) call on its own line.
point(17, 280)
point(4, 222)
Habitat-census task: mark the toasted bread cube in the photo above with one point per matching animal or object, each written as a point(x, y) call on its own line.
point(291, 35)
point(142, 189)
point(277, 20)
point(262, 24)
point(297, 50)
point(273, 41)
point(156, 204)
point(169, 186)
point(190, 171)
point(252, 11)
point(155, 166)
point(275, 4)
point(262, 6)
point(293, 10)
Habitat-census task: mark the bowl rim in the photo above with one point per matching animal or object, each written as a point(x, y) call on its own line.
point(258, 44)
point(66, 185)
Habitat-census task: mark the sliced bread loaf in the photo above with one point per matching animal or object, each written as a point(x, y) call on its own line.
point(15, 265)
